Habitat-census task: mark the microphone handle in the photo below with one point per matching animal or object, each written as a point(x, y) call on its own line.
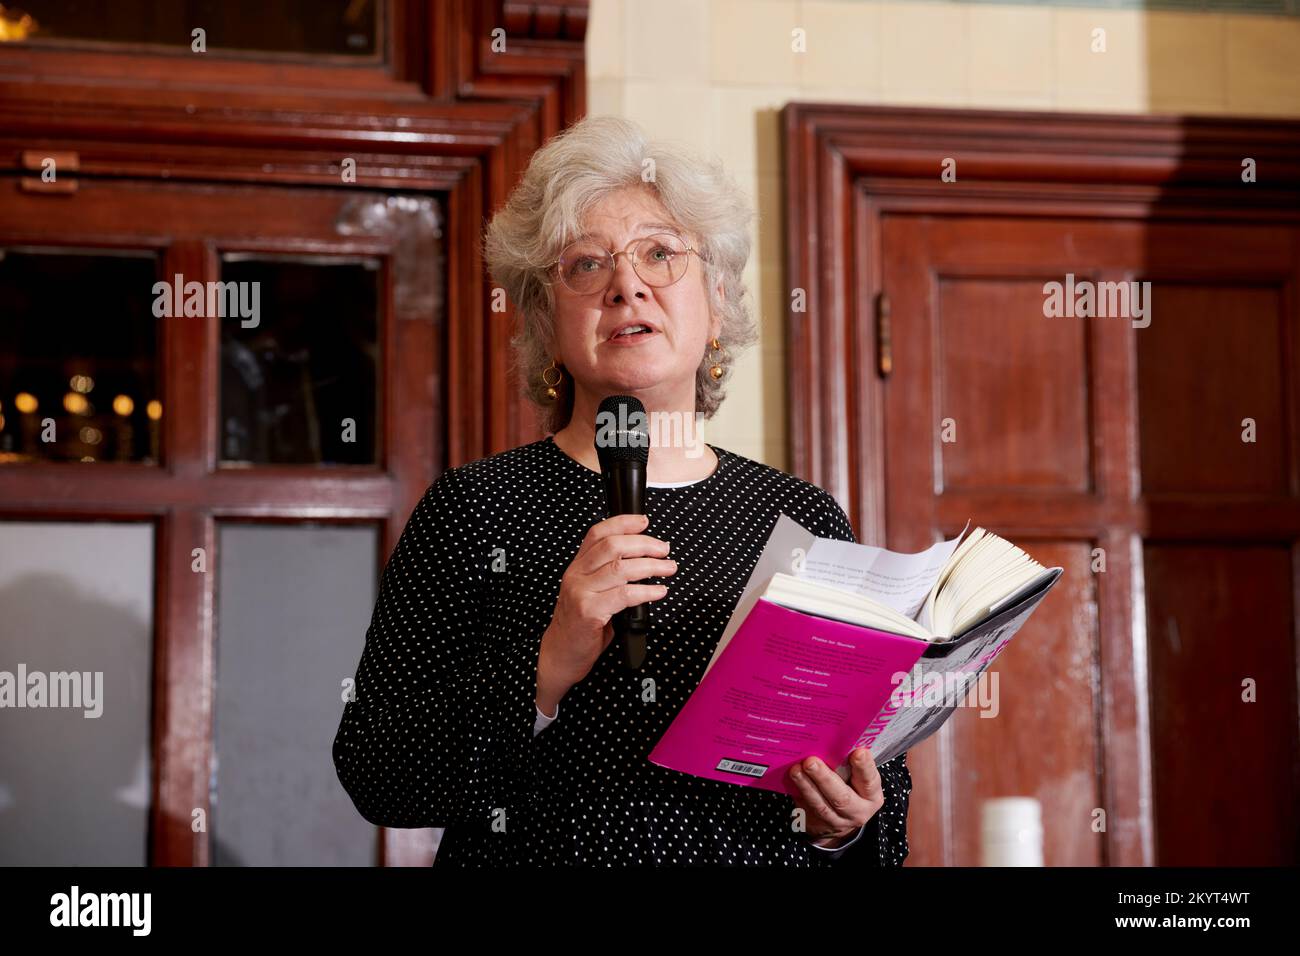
point(625, 494)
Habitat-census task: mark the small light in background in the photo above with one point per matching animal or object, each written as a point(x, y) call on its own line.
point(153, 409)
point(15, 25)
point(81, 383)
point(123, 405)
point(75, 403)
point(25, 402)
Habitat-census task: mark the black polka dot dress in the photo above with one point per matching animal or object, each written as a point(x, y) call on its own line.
point(444, 730)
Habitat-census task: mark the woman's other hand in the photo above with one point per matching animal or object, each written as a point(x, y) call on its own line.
point(835, 809)
point(596, 585)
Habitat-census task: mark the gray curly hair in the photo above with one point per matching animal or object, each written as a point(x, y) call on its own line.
point(574, 171)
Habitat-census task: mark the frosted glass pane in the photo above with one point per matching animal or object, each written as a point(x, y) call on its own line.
point(293, 605)
point(76, 600)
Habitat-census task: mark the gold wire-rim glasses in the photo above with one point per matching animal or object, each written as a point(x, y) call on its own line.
point(629, 251)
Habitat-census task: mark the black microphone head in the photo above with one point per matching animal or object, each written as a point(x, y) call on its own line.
point(622, 431)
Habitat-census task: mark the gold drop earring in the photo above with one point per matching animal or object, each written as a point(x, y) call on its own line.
point(716, 370)
point(551, 393)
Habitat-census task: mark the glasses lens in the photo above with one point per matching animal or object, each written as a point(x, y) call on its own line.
point(584, 267)
point(661, 259)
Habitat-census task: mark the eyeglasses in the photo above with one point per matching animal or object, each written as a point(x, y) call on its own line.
point(586, 267)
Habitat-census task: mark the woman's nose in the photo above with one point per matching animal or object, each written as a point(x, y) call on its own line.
point(625, 283)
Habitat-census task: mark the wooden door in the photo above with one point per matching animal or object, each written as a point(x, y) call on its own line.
point(1023, 420)
point(1149, 447)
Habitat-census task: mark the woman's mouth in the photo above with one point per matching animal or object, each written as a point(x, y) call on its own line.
point(634, 335)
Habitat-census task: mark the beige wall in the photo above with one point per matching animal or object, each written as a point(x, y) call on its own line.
point(715, 73)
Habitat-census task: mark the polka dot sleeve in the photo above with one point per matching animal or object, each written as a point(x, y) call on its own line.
point(439, 709)
point(886, 832)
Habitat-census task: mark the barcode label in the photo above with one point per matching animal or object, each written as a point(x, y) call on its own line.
point(735, 766)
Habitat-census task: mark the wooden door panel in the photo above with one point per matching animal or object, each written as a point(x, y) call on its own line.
point(1220, 627)
point(1012, 387)
point(1212, 358)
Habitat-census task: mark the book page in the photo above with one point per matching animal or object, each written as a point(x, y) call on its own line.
point(898, 581)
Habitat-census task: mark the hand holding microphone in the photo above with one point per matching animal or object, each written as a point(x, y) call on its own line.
point(599, 599)
point(599, 582)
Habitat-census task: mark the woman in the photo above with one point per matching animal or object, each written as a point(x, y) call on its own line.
point(485, 701)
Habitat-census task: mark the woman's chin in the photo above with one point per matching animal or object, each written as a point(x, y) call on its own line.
point(632, 384)
point(638, 384)
point(634, 371)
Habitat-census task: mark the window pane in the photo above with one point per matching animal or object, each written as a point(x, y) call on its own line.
point(78, 345)
point(321, 27)
point(299, 384)
point(76, 600)
point(293, 606)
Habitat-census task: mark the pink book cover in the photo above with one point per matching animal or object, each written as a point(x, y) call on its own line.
point(788, 686)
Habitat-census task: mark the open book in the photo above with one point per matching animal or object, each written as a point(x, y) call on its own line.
point(983, 574)
point(835, 645)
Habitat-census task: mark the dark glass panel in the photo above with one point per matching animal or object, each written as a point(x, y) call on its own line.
point(78, 345)
point(349, 28)
point(306, 365)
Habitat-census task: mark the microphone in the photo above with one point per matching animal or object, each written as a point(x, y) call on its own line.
point(623, 447)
